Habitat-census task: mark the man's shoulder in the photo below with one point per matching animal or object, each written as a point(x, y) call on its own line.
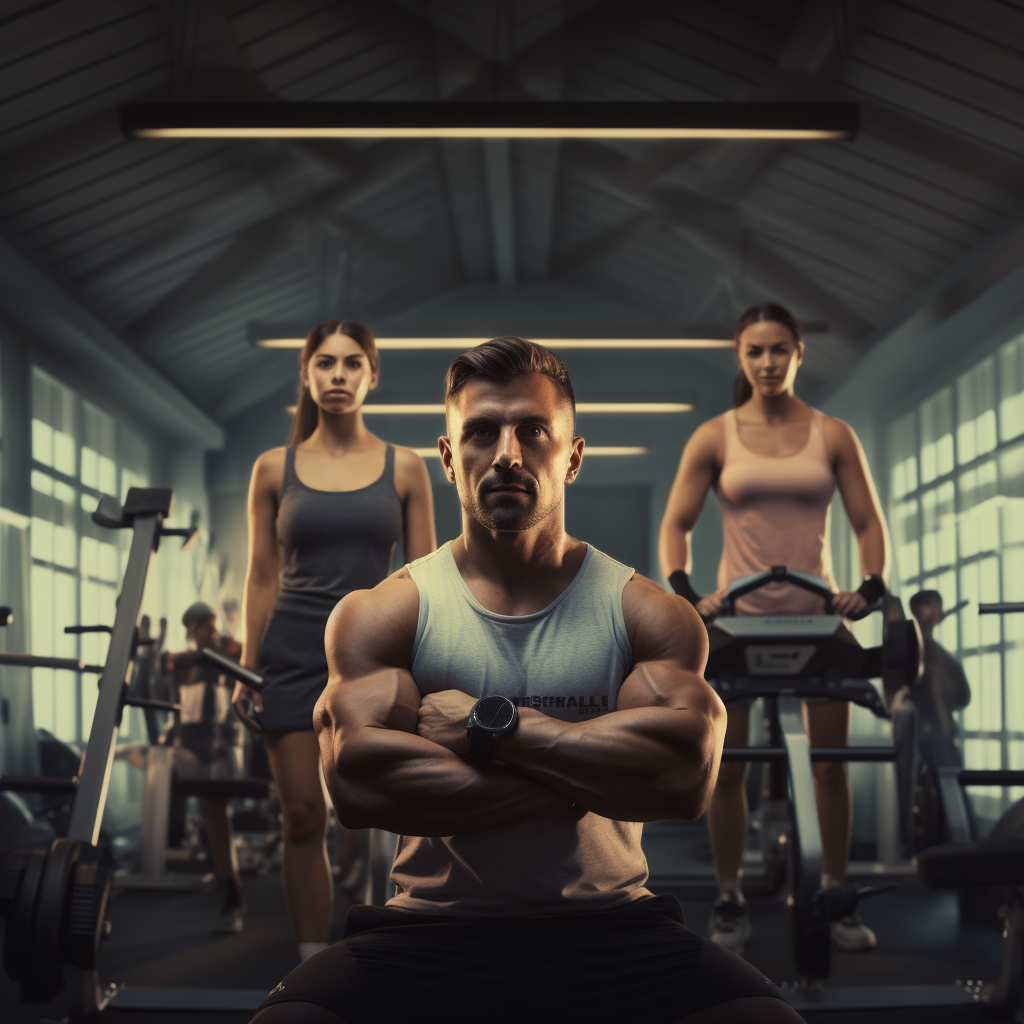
point(392, 606)
point(659, 621)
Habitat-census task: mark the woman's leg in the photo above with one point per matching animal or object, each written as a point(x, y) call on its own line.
point(727, 814)
point(222, 840)
point(828, 725)
point(295, 762)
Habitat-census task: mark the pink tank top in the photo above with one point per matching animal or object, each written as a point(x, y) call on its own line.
point(775, 511)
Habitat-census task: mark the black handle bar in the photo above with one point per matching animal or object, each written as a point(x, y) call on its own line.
point(233, 669)
point(778, 574)
point(1001, 608)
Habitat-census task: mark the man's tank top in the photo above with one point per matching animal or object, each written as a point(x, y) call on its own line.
point(567, 661)
point(775, 511)
point(333, 542)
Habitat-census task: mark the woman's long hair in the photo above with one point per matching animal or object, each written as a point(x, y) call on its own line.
point(307, 413)
point(763, 311)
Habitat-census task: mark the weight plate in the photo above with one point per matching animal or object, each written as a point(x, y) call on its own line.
point(19, 925)
point(43, 978)
point(87, 909)
point(12, 867)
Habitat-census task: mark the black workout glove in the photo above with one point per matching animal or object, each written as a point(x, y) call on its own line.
point(872, 588)
point(680, 583)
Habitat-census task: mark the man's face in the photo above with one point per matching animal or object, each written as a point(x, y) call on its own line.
point(929, 614)
point(511, 450)
point(202, 633)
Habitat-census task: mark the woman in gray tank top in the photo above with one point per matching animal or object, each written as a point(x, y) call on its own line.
point(325, 514)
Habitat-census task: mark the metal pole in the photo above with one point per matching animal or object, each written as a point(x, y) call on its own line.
point(805, 809)
point(94, 777)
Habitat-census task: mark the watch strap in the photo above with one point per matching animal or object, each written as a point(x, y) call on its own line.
point(480, 743)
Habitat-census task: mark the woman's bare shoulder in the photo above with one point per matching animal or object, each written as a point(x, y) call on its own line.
point(709, 438)
point(410, 471)
point(268, 470)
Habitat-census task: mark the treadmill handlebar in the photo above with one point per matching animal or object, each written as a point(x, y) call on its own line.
point(1001, 608)
point(231, 668)
point(805, 580)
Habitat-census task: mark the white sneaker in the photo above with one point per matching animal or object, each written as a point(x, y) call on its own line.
point(729, 923)
point(852, 934)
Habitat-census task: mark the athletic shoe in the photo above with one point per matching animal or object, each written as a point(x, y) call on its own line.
point(852, 934)
point(231, 921)
point(729, 923)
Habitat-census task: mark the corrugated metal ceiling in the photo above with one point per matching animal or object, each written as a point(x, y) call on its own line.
point(180, 245)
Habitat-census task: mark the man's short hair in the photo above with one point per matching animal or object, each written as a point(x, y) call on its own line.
point(923, 597)
point(504, 359)
point(196, 612)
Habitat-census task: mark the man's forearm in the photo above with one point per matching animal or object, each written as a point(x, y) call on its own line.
point(401, 782)
point(642, 764)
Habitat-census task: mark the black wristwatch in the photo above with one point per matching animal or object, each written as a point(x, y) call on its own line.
point(490, 719)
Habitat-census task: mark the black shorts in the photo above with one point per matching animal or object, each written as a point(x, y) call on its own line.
point(635, 963)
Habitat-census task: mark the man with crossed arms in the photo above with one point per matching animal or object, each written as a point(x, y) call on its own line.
point(514, 705)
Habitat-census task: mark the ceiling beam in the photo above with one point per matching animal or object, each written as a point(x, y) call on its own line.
point(249, 248)
point(56, 321)
point(498, 171)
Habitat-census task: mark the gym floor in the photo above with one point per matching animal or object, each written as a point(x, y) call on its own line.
point(167, 939)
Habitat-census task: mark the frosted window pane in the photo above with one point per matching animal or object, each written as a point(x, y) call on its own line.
point(42, 442)
point(1011, 389)
point(969, 633)
point(89, 561)
point(90, 470)
point(107, 562)
point(65, 719)
point(64, 453)
point(42, 482)
point(108, 476)
point(42, 698)
point(42, 539)
point(937, 436)
point(905, 534)
point(992, 686)
point(1015, 690)
point(988, 587)
point(64, 546)
point(1013, 576)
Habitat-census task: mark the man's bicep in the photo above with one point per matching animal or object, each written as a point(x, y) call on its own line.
point(370, 684)
point(670, 650)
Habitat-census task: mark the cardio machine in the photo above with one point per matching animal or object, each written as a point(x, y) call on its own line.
point(784, 659)
point(54, 900)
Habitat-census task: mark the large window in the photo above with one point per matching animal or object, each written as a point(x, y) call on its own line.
point(956, 497)
point(76, 565)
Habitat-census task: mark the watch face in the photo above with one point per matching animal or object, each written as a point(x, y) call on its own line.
point(495, 713)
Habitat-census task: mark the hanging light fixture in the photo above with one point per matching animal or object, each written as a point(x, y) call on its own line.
point(491, 120)
point(461, 344)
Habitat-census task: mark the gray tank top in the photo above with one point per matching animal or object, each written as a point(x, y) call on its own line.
point(568, 661)
point(333, 542)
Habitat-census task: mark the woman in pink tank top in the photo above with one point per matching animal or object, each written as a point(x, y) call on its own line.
point(774, 464)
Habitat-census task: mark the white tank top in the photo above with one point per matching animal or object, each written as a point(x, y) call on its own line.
point(567, 661)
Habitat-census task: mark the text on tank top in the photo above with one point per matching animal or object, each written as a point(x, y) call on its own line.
point(775, 511)
point(334, 542)
point(567, 661)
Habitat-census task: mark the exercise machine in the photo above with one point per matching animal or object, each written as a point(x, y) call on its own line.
point(54, 900)
point(786, 658)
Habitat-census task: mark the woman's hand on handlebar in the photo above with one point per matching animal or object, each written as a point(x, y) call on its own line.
point(848, 602)
point(711, 605)
point(246, 701)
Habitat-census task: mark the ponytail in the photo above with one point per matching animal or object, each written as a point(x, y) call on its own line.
point(763, 311)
